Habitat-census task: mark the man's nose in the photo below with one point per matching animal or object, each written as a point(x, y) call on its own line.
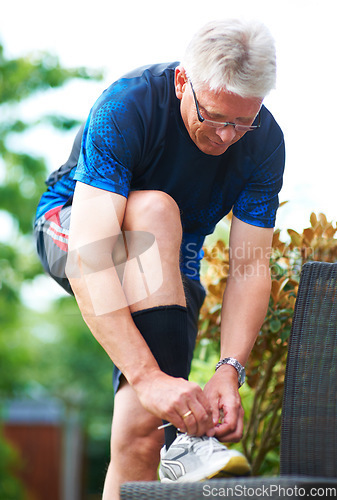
point(227, 133)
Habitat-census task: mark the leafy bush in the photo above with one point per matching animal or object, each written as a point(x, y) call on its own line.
point(10, 486)
point(263, 392)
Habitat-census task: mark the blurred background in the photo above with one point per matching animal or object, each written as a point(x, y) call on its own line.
point(56, 397)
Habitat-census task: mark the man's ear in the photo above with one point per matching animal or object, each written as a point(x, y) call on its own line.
point(180, 80)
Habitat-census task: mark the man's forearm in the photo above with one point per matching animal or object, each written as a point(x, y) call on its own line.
point(244, 308)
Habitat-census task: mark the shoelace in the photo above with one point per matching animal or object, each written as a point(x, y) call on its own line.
point(204, 446)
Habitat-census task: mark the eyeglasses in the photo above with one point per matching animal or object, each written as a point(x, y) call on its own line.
point(212, 123)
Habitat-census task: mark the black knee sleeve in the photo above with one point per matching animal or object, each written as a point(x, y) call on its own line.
point(164, 329)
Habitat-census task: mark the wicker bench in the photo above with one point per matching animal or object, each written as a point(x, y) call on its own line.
point(308, 456)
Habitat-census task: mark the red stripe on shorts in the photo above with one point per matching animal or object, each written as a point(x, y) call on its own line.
point(58, 234)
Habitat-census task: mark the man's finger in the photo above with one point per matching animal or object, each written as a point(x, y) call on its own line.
point(231, 427)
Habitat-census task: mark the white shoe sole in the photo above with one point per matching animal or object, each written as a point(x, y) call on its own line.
point(236, 466)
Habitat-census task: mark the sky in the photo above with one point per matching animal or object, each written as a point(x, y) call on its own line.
point(119, 36)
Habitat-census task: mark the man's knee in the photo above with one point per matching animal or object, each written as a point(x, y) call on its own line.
point(133, 428)
point(140, 440)
point(154, 211)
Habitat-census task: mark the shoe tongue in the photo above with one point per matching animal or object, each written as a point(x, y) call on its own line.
point(185, 438)
point(182, 438)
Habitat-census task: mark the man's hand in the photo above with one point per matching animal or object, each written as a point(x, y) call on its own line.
point(171, 398)
point(223, 396)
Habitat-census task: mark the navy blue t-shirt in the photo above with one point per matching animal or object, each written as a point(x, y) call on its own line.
point(135, 139)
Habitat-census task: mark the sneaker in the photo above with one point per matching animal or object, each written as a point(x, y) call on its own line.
point(191, 458)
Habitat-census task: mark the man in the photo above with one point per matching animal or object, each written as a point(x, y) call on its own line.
point(166, 152)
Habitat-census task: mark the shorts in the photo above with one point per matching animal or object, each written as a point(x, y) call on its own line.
point(51, 234)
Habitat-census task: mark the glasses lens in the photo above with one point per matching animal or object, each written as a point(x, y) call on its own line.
point(238, 128)
point(244, 128)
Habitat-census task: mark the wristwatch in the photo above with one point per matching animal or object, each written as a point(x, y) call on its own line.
point(238, 366)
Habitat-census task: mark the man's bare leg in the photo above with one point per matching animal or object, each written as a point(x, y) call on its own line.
point(135, 443)
point(135, 439)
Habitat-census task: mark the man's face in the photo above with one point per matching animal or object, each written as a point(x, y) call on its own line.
point(222, 106)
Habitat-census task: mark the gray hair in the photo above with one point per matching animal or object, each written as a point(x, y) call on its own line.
point(235, 55)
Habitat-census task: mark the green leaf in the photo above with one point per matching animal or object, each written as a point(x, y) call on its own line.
point(285, 333)
point(275, 325)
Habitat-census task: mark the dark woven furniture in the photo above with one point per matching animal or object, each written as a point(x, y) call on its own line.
point(309, 411)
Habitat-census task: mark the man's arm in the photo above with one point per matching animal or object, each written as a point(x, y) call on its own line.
point(244, 308)
point(96, 221)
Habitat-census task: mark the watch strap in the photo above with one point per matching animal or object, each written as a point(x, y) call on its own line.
point(237, 365)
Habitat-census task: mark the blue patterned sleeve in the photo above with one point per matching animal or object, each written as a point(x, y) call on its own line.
point(257, 204)
point(111, 144)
